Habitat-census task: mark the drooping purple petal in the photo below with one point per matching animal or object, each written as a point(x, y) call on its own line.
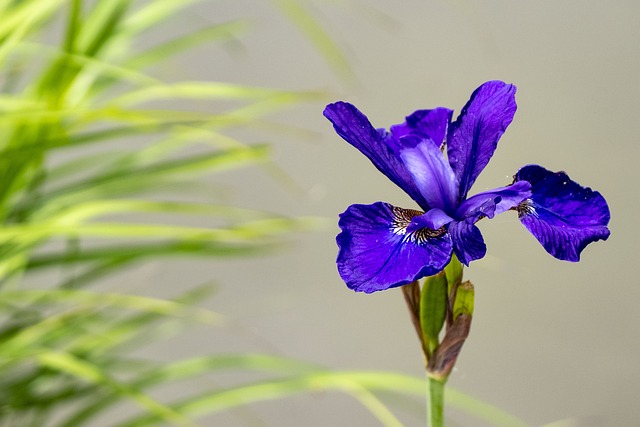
point(355, 128)
point(474, 136)
point(376, 251)
point(468, 243)
point(564, 216)
point(428, 124)
point(431, 173)
point(494, 202)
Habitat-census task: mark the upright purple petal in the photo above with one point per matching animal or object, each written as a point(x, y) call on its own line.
point(377, 253)
point(564, 216)
point(474, 136)
point(428, 124)
point(467, 240)
point(431, 173)
point(355, 128)
point(494, 202)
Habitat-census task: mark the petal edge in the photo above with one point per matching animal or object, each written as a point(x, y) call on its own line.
point(355, 128)
point(561, 214)
point(376, 253)
point(473, 137)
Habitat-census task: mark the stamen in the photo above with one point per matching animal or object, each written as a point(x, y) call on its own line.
point(401, 220)
point(525, 208)
point(424, 234)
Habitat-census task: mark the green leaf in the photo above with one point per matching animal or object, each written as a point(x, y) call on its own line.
point(101, 25)
point(192, 368)
point(180, 44)
point(197, 90)
point(95, 66)
point(26, 16)
point(464, 300)
point(453, 271)
point(71, 365)
point(152, 14)
point(433, 309)
point(63, 107)
point(84, 314)
point(73, 26)
point(255, 230)
point(347, 382)
point(123, 254)
point(80, 212)
point(117, 181)
point(95, 300)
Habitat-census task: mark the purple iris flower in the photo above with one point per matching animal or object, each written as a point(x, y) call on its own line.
point(384, 246)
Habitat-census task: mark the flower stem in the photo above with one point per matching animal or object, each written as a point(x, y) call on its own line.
point(435, 402)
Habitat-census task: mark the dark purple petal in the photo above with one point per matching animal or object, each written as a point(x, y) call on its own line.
point(427, 124)
point(494, 202)
point(355, 128)
point(431, 173)
point(564, 216)
point(468, 243)
point(376, 251)
point(474, 136)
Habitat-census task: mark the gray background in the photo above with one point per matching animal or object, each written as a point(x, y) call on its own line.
point(550, 340)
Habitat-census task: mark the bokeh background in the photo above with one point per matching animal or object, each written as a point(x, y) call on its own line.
point(550, 340)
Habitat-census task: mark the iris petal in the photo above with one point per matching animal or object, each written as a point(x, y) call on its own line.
point(428, 124)
point(564, 216)
point(431, 173)
point(355, 128)
point(434, 219)
point(494, 202)
point(468, 243)
point(474, 136)
point(377, 253)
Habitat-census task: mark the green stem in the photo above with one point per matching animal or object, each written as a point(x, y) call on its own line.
point(435, 403)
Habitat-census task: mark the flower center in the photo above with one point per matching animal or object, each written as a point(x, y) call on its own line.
point(525, 208)
point(402, 219)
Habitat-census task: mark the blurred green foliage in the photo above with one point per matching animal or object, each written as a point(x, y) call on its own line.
point(86, 144)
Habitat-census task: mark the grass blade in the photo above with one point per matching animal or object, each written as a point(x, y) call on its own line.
point(229, 30)
point(347, 382)
point(71, 365)
point(322, 41)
